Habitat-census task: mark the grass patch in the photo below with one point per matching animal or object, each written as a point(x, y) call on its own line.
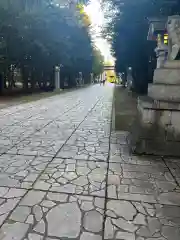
point(125, 109)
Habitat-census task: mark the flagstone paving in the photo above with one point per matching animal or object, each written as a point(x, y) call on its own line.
point(65, 175)
point(74, 176)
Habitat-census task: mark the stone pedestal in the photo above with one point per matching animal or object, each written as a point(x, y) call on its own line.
point(157, 129)
point(57, 77)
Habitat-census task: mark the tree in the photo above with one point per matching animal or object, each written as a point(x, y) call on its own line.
point(98, 62)
point(35, 38)
point(127, 33)
point(97, 58)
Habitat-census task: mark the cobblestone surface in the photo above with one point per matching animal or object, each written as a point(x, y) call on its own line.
point(131, 220)
point(57, 215)
point(74, 176)
point(65, 175)
point(125, 178)
point(20, 171)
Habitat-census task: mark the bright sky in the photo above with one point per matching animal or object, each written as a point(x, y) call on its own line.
point(97, 18)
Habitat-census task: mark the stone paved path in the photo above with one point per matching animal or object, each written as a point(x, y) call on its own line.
point(65, 175)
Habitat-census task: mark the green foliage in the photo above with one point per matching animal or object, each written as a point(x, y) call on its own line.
point(127, 33)
point(36, 37)
point(98, 62)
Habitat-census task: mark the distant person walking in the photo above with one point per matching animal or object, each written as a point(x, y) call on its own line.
point(104, 82)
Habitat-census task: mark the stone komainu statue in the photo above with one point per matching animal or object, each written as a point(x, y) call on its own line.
point(173, 28)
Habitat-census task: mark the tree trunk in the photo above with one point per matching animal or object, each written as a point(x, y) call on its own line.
point(1, 83)
point(25, 76)
point(33, 77)
point(10, 81)
point(140, 80)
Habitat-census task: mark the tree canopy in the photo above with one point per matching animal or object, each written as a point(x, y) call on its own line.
point(35, 36)
point(98, 62)
point(127, 32)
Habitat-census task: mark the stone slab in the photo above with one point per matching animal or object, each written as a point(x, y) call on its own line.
point(146, 102)
point(130, 220)
point(20, 171)
point(170, 64)
point(166, 76)
point(37, 147)
point(134, 175)
point(64, 217)
point(164, 92)
point(92, 145)
point(74, 176)
point(174, 167)
point(9, 198)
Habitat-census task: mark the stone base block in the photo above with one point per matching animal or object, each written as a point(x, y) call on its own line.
point(164, 92)
point(166, 76)
point(153, 147)
point(157, 129)
point(172, 64)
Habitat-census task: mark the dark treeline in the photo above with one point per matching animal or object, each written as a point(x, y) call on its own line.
point(127, 33)
point(37, 35)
